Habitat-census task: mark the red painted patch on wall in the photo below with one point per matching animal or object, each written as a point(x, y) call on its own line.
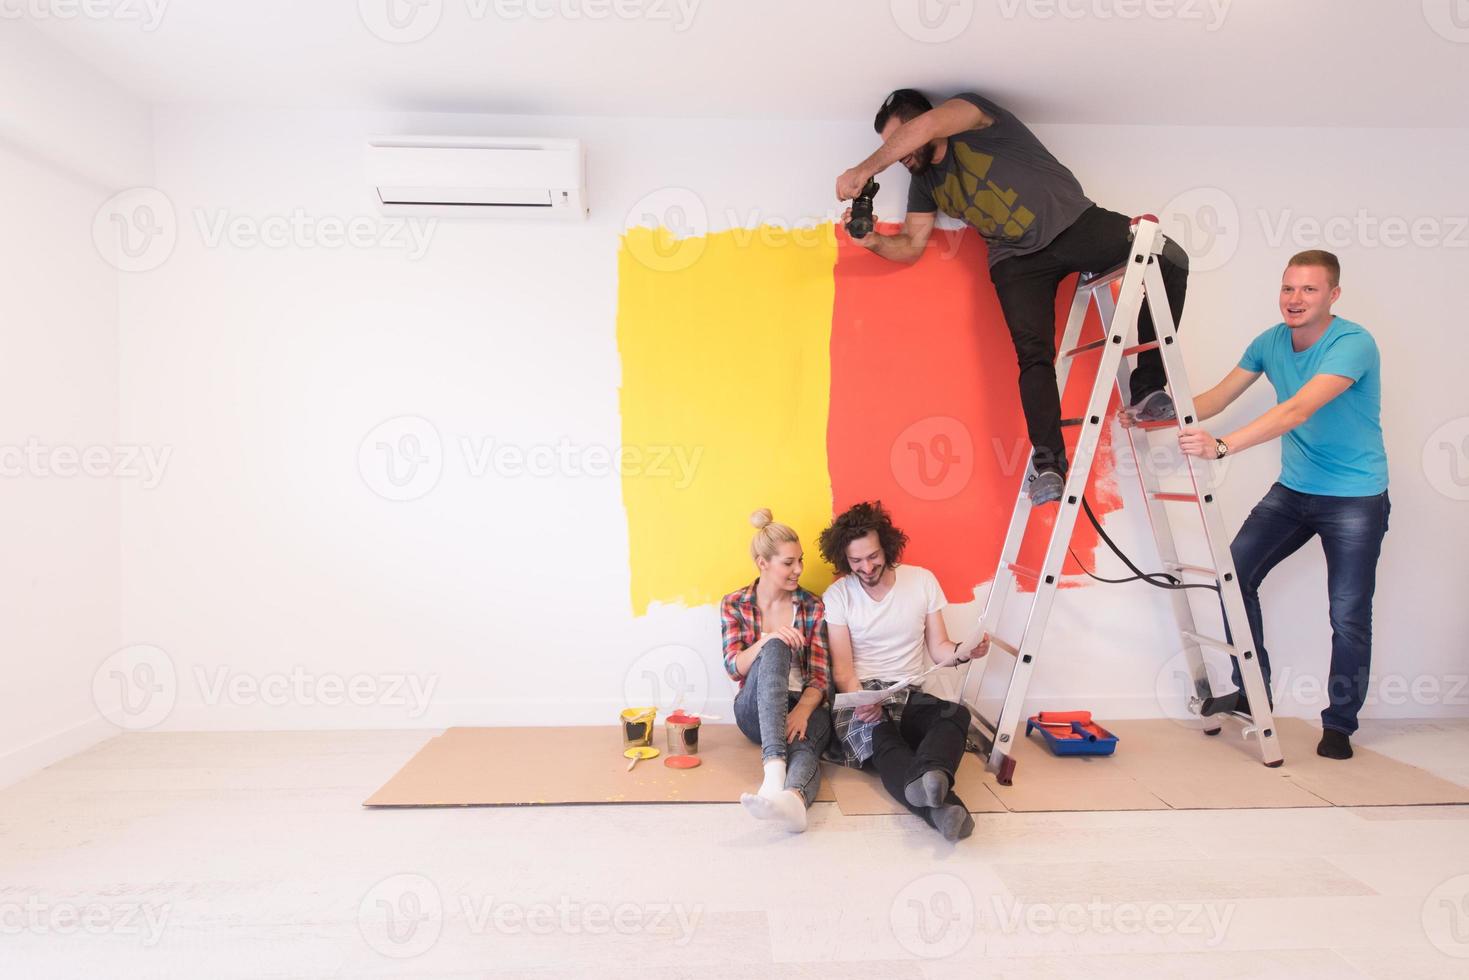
point(925, 409)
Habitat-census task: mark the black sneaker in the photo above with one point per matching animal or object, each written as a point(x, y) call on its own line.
point(1045, 487)
point(1334, 744)
point(1155, 406)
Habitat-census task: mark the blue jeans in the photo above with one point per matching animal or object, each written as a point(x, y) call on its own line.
point(1351, 530)
point(761, 708)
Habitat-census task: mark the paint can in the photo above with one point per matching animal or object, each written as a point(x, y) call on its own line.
point(683, 734)
point(637, 727)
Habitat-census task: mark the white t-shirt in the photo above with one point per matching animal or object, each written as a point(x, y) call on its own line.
point(887, 636)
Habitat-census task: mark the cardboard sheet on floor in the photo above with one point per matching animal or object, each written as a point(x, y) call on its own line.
point(1047, 782)
point(1178, 767)
point(1159, 764)
point(1367, 779)
point(520, 766)
point(1188, 770)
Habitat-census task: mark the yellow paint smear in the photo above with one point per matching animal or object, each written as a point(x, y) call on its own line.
point(726, 376)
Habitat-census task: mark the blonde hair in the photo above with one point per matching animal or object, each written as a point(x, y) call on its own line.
point(1321, 259)
point(770, 536)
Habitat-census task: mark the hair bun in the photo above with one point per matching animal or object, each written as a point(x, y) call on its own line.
point(761, 518)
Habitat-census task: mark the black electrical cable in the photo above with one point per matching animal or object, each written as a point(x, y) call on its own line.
point(1159, 580)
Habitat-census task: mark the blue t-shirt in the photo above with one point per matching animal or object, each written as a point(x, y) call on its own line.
point(1338, 451)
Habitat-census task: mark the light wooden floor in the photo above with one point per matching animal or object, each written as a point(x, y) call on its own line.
point(247, 855)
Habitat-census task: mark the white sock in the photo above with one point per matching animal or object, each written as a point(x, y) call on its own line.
point(789, 810)
point(785, 808)
point(775, 778)
point(757, 806)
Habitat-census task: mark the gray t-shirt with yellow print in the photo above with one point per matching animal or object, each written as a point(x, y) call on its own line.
point(1004, 182)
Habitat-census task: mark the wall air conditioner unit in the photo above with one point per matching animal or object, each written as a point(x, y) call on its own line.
point(455, 176)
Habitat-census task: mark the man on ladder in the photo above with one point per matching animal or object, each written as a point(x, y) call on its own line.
point(976, 161)
point(1333, 477)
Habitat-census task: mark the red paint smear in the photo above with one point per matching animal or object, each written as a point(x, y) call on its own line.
point(925, 409)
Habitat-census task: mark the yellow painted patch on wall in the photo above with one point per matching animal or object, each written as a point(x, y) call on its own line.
point(726, 371)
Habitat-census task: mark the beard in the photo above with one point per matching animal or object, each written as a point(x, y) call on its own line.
point(922, 160)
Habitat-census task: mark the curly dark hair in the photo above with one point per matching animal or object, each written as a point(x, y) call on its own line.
point(858, 521)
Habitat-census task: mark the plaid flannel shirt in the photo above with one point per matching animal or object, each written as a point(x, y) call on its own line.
point(739, 626)
point(852, 745)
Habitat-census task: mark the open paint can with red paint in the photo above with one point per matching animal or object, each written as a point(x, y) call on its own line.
point(683, 740)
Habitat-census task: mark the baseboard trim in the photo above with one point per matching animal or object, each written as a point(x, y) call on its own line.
point(30, 759)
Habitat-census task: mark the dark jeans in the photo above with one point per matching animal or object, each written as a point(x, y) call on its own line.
point(1351, 530)
point(1026, 286)
point(930, 736)
point(761, 708)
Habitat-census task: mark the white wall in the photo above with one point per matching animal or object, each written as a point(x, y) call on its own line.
point(59, 109)
point(66, 139)
point(263, 556)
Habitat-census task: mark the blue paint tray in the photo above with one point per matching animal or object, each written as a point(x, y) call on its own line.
point(1085, 743)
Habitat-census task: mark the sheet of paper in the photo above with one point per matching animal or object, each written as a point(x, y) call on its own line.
point(856, 699)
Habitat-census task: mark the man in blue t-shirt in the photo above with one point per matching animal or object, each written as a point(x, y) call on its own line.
point(974, 160)
point(1333, 476)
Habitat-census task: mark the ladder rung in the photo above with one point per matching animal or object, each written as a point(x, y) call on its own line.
point(995, 641)
point(998, 736)
point(1208, 641)
point(1127, 351)
point(1103, 278)
point(1178, 566)
point(1086, 347)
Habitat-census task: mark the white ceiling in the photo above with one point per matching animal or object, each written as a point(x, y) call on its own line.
point(1178, 62)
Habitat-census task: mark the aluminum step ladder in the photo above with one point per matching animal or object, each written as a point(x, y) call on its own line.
point(1141, 280)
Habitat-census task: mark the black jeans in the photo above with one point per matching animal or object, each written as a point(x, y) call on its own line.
point(1351, 531)
point(1026, 286)
point(930, 736)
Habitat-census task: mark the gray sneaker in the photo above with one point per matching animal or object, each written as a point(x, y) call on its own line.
point(1045, 487)
point(1157, 406)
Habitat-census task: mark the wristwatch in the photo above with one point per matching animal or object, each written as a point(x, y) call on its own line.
point(1220, 449)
